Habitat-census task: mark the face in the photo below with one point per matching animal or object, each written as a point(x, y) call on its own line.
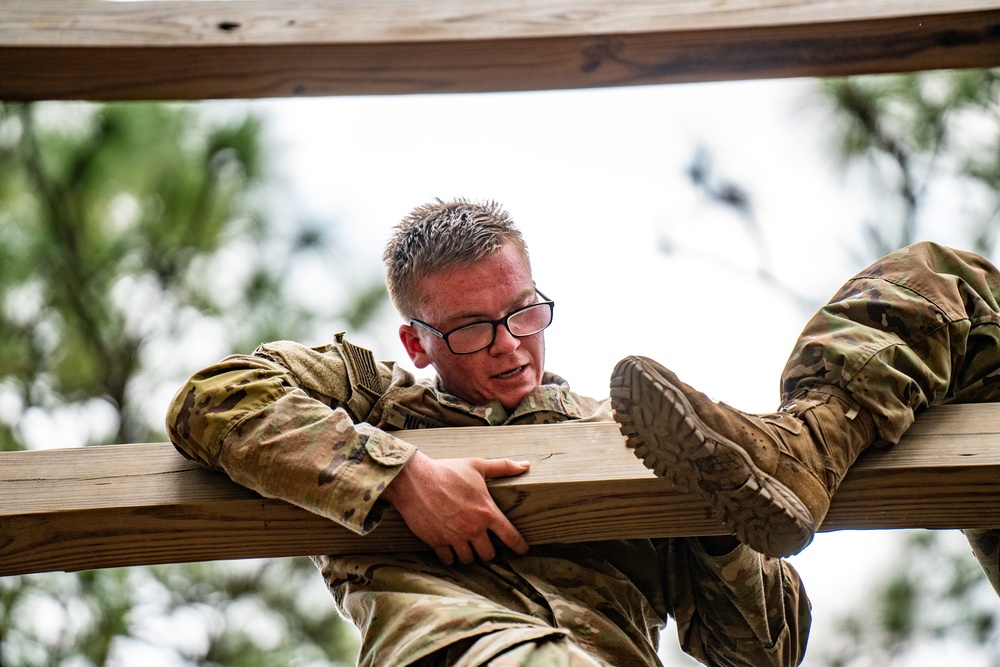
point(508, 369)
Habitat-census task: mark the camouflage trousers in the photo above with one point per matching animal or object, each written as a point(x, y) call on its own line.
point(920, 327)
point(545, 652)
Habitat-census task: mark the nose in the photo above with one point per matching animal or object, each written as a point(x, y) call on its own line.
point(504, 342)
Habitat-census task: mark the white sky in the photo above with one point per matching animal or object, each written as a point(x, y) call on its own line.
point(596, 182)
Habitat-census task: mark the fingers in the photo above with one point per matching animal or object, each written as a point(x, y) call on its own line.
point(509, 535)
point(464, 553)
point(480, 545)
point(467, 552)
point(445, 555)
point(484, 548)
point(447, 505)
point(499, 524)
point(494, 468)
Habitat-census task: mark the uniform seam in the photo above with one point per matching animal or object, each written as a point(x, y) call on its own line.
point(901, 284)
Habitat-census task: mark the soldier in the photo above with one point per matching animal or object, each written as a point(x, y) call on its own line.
point(920, 327)
point(314, 426)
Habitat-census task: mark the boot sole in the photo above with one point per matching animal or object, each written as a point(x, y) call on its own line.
point(664, 431)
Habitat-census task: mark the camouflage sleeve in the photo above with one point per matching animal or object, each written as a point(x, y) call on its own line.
point(742, 608)
point(280, 422)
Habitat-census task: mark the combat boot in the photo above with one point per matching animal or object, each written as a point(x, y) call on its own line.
point(767, 478)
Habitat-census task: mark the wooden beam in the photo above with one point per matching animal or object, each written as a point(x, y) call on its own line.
point(193, 49)
point(75, 509)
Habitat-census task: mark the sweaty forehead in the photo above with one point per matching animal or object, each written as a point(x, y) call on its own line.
point(483, 289)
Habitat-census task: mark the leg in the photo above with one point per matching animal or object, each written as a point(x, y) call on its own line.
point(548, 653)
point(920, 327)
point(767, 478)
point(554, 651)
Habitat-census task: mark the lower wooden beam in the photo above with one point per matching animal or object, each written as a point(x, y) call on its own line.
point(77, 509)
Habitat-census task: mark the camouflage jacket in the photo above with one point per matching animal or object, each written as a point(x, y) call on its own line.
point(313, 426)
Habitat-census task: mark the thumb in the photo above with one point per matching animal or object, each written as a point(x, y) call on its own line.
point(491, 468)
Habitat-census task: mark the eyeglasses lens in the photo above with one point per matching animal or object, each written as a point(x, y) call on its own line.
point(524, 322)
point(530, 320)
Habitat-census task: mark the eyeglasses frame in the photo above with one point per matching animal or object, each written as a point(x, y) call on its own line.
point(496, 324)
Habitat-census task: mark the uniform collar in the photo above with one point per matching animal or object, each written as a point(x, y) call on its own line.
point(553, 397)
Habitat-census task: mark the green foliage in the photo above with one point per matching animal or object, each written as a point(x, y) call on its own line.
point(103, 214)
point(253, 613)
point(935, 592)
point(915, 135)
point(123, 229)
point(127, 232)
point(912, 136)
point(914, 132)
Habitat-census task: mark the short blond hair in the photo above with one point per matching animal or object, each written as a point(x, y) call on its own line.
point(441, 235)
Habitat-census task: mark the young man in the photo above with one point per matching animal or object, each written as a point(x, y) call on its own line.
point(314, 427)
point(918, 328)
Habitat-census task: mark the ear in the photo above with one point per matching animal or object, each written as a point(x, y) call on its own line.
point(414, 348)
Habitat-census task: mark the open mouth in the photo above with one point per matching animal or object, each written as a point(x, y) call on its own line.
point(509, 374)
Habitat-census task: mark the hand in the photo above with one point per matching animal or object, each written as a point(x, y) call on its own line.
point(446, 504)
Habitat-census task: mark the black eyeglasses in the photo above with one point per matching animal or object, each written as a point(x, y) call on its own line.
point(477, 336)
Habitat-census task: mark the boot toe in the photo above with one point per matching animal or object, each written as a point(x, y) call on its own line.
point(666, 432)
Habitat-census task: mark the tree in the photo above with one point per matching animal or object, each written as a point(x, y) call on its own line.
point(130, 234)
point(934, 594)
point(915, 137)
point(916, 140)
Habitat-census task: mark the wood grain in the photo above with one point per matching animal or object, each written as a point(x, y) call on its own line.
point(75, 509)
point(228, 22)
point(188, 49)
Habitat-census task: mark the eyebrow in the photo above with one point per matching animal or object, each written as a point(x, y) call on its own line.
point(480, 316)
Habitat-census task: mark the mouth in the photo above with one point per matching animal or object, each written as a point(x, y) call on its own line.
point(509, 374)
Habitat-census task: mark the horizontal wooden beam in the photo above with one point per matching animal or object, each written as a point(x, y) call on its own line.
point(194, 49)
point(75, 509)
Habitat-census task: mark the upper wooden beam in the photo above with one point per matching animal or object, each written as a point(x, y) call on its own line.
point(193, 49)
point(96, 507)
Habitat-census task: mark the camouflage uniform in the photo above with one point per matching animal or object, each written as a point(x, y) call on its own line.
point(919, 327)
point(314, 427)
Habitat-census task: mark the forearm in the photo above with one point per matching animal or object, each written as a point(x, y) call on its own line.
point(302, 452)
point(741, 608)
point(247, 417)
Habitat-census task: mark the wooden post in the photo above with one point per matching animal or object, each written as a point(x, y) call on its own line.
point(94, 507)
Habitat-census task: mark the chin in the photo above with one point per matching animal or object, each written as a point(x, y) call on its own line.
point(511, 401)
